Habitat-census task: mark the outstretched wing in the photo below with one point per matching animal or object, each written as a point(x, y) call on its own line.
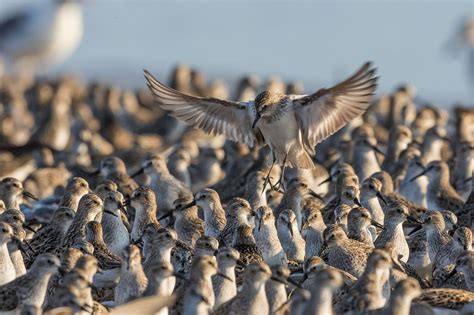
point(232, 119)
point(323, 113)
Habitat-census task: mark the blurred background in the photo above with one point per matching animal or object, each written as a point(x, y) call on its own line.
point(317, 43)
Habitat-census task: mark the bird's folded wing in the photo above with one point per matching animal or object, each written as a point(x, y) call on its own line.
point(232, 119)
point(323, 113)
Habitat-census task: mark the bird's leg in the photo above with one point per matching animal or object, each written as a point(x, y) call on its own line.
point(267, 179)
point(278, 184)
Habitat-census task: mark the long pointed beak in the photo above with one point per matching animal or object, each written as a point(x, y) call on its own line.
point(398, 266)
point(260, 223)
point(140, 171)
point(419, 175)
point(327, 180)
point(290, 228)
point(357, 202)
point(30, 195)
point(416, 229)
point(111, 213)
point(413, 219)
point(376, 224)
point(122, 208)
point(189, 205)
point(450, 275)
point(467, 180)
point(316, 195)
point(257, 118)
point(376, 149)
point(305, 277)
point(379, 194)
point(164, 216)
point(220, 274)
point(29, 228)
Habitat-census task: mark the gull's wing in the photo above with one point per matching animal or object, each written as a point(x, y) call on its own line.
point(323, 113)
point(232, 119)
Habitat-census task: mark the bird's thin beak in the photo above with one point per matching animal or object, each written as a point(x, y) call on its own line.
point(260, 222)
point(327, 180)
point(140, 171)
point(29, 228)
point(164, 216)
point(189, 205)
point(220, 274)
point(376, 224)
point(316, 195)
point(381, 197)
point(412, 219)
point(416, 229)
point(398, 266)
point(450, 275)
point(30, 195)
point(419, 175)
point(111, 213)
point(357, 202)
point(257, 118)
point(468, 179)
point(121, 207)
point(305, 277)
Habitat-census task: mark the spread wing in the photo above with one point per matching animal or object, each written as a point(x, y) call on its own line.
point(232, 119)
point(323, 113)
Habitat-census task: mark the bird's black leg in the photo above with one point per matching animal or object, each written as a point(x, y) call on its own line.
point(278, 184)
point(267, 179)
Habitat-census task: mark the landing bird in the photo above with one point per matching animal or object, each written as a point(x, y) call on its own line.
point(291, 125)
point(44, 34)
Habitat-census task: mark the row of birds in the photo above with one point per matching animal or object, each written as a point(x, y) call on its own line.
point(176, 221)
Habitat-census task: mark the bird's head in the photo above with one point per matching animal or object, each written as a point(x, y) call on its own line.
point(265, 104)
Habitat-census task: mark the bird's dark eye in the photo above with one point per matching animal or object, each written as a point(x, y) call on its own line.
point(228, 256)
point(371, 187)
point(399, 210)
point(429, 219)
point(50, 261)
point(16, 218)
point(167, 235)
point(4, 230)
point(208, 245)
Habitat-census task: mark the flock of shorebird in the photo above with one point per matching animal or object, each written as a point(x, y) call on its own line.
point(108, 205)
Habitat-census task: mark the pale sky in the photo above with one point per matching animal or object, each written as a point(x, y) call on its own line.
point(315, 42)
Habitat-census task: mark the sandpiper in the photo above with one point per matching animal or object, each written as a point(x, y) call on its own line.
point(447, 254)
point(343, 252)
point(116, 235)
point(114, 169)
point(436, 236)
point(12, 193)
point(29, 289)
point(433, 143)
point(166, 187)
point(7, 268)
point(90, 206)
point(312, 233)
point(143, 200)
point(106, 259)
point(322, 294)
point(364, 158)
point(244, 243)
point(314, 115)
point(252, 298)
point(372, 199)
point(238, 213)
point(366, 293)
point(75, 189)
point(256, 190)
point(441, 195)
point(187, 223)
point(415, 190)
point(275, 288)
point(361, 227)
point(266, 237)
point(289, 235)
point(225, 288)
point(50, 237)
point(392, 231)
point(133, 281)
point(214, 215)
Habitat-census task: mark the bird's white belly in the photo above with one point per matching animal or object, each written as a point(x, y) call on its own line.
point(281, 134)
